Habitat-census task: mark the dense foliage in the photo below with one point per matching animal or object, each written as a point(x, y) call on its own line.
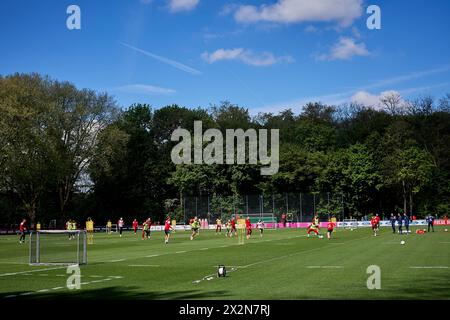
point(66, 152)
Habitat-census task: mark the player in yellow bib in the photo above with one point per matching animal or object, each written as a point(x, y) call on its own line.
point(218, 226)
point(90, 230)
point(195, 225)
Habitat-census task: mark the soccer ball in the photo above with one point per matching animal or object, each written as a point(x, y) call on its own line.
point(446, 230)
point(320, 237)
point(402, 242)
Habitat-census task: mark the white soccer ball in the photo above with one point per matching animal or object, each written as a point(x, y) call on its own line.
point(402, 242)
point(351, 229)
point(320, 237)
point(446, 230)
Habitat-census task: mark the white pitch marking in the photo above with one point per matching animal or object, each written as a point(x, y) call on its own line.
point(152, 255)
point(180, 252)
point(324, 267)
point(293, 254)
point(22, 272)
point(26, 293)
point(429, 267)
point(56, 288)
point(118, 260)
point(143, 265)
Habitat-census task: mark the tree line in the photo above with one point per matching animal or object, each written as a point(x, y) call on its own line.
point(68, 152)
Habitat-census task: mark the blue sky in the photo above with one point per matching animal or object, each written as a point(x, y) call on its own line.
point(265, 55)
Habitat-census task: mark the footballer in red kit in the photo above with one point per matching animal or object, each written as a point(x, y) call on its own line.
point(374, 223)
point(330, 228)
point(248, 226)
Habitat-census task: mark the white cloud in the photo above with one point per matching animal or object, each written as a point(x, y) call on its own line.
point(246, 56)
point(360, 94)
point(344, 12)
point(345, 49)
point(145, 89)
point(366, 98)
point(182, 5)
point(374, 101)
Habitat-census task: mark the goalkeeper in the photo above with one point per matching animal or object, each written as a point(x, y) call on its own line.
point(194, 226)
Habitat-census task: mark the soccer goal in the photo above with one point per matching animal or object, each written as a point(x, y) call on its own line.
point(269, 219)
point(350, 223)
point(58, 247)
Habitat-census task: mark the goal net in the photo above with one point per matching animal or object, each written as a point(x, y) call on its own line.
point(269, 219)
point(58, 247)
point(350, 223)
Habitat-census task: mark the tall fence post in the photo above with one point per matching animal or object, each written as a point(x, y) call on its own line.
point(328, 205)
point(287, 203)
point(301, 208)
point(246, 203)
point(273, 204)
point(314, 203)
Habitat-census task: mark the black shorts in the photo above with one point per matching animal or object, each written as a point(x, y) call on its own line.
point(195, 229)
point(167, 232)
point(330, 230)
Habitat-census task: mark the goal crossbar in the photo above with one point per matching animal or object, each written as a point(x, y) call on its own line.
point(58, 247)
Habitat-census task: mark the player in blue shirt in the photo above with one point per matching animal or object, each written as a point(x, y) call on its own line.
point(406, 220)
point(400, 223)
point(393, 219)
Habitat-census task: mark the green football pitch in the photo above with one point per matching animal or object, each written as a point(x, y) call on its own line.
point(284, 264)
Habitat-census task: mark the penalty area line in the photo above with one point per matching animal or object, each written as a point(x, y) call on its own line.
point(429, 267)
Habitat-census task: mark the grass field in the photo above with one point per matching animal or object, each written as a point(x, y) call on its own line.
point(282, 265)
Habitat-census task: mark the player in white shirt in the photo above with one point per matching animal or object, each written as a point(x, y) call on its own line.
point(260, 226)
point(120, 224)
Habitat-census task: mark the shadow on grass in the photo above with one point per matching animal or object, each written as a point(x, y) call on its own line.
point(120, 293)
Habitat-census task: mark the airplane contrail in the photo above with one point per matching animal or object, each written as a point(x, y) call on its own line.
point(173, 63)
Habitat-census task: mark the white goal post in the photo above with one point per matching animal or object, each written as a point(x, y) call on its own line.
point(58, 247)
